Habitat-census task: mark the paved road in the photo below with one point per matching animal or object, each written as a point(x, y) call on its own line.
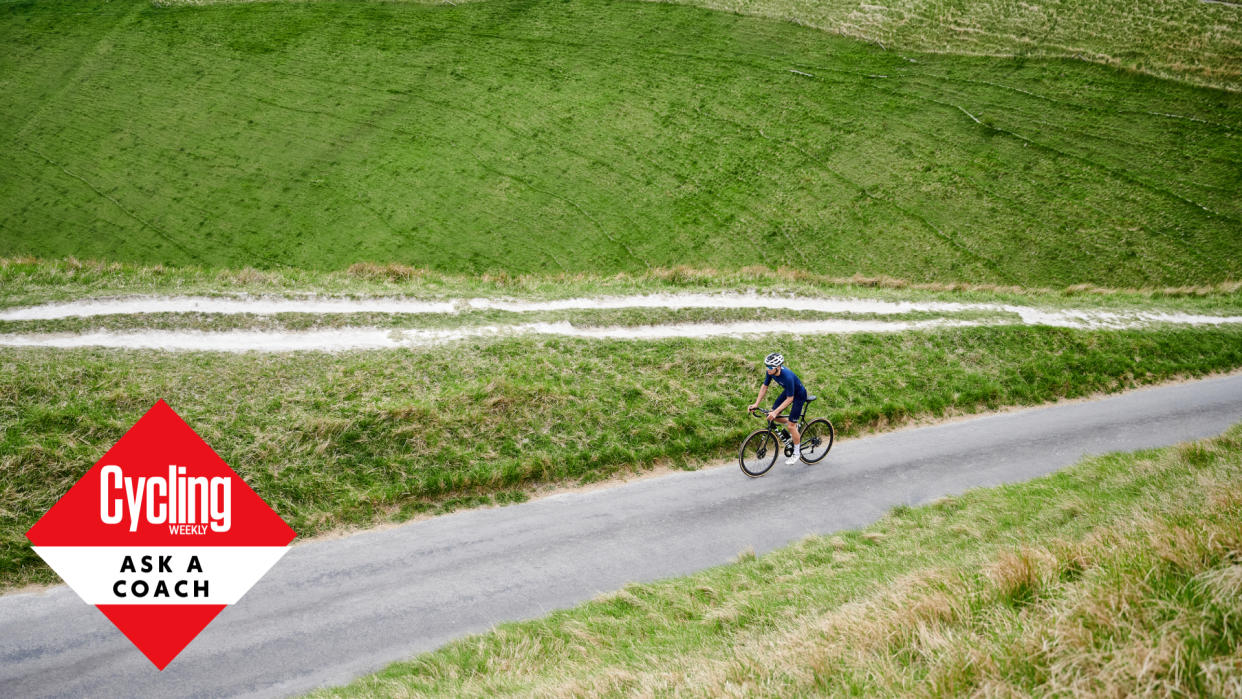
point(332, 610)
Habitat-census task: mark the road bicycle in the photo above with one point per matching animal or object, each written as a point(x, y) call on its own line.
point(760, 449)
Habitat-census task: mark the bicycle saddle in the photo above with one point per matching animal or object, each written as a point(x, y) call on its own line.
point(810, 398)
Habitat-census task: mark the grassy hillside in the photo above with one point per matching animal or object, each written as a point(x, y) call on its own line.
point(359, 438)
point(1117, 577)
point(543, 137)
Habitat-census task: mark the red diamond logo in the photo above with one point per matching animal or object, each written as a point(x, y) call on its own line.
point(161, 535)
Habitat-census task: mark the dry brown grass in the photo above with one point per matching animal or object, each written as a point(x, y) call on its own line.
point(250, 275)
point(680, 276)
point(942, 633)
point(389, 271)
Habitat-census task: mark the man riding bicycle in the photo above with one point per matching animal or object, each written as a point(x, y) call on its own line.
point(793, 393)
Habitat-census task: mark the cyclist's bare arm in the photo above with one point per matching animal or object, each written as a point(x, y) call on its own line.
point(777, 410)
point(763, 391)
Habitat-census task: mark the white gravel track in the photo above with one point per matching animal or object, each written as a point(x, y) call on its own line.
point(359, 338)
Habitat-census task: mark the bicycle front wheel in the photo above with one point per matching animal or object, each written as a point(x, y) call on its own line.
point(817, 439)
point(758, 453)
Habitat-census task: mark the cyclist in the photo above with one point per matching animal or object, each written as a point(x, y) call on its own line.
point(793, 393)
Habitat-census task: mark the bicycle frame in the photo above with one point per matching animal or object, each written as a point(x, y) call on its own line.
point(780, 430)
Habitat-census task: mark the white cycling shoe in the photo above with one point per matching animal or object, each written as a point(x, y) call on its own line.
point(793, 459)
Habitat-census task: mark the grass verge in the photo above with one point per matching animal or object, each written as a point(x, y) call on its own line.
point(26, 281)
point(1119, 576)
point(350, 440)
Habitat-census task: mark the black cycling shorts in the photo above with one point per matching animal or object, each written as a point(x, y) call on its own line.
point(795, 409)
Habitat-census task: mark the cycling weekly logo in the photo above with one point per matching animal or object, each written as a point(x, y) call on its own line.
point(160, 535)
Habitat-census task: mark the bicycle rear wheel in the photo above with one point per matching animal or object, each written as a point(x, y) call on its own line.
point(758, 453)
point(817, 439)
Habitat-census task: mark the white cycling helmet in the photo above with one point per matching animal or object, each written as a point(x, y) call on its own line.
point(774, 360)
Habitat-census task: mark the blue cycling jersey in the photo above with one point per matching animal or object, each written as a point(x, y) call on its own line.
point(788, 381)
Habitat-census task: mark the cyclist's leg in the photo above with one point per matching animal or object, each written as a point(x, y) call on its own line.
point(795, 414)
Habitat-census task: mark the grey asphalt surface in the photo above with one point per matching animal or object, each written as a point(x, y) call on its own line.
point(332, 610)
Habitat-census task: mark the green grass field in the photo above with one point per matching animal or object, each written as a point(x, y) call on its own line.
point(544, 137)
point(1117, 577)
